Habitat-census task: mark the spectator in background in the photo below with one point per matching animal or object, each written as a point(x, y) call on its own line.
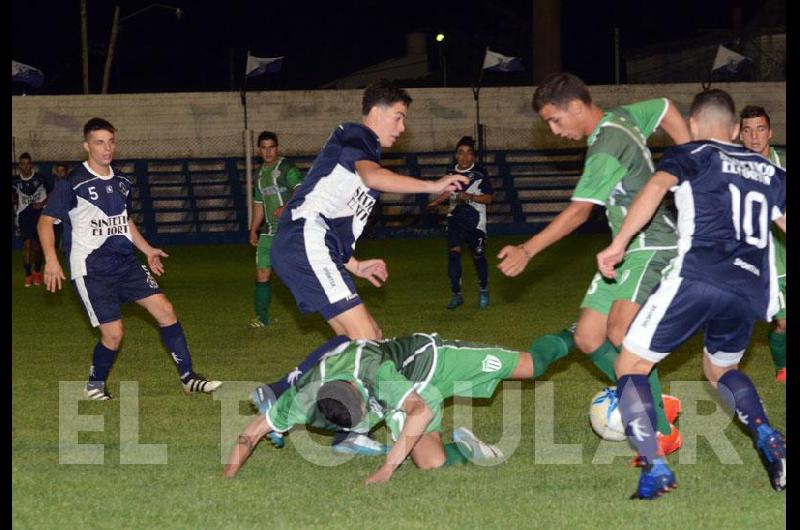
point(29, 195)
point(60, 171)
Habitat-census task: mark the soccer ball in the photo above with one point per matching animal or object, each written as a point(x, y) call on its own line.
point(605, 417)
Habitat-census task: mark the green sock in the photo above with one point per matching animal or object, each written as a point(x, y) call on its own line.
point(661, 416)
point(452, 455)
point(262, 296)
point(777, 347)
point(550, 348)
point(604, 357)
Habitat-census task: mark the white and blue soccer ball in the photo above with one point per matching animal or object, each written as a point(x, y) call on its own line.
point(605, 417)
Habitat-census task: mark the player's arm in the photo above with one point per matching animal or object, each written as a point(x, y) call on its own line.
point(516, 257)
point(245, 443)
point(373, 270)
point(418, 416)
point(258, 218)
point(379, 178)
point(674, 124)
point(439, 200)
point(53, 273)
point(483, 198)
point(153, 254)
point(642, 208)
point(781, 222)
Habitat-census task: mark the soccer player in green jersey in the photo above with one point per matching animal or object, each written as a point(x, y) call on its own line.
point(401, 381)
point(756, 132)
point(618, 163)
point(276, 181)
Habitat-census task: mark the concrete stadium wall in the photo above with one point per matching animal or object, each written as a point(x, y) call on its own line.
point(200, 125)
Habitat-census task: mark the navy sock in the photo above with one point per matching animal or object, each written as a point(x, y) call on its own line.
point(27, 269)
point(482, 267)
point(284, 383)
point(175, 341)
point(37, 265)
point(102, 360)
point(638, 414)
point(454, 270)
point(741, 395)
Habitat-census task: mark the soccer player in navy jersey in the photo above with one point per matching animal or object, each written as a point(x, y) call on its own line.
point(30, 191)
point(466, 222)
point(722, 281)
point(93, 202)
point(312, 252)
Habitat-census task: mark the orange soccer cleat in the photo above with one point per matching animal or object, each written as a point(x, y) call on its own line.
point(780, 375)
point(672, 407)
point(667, 444)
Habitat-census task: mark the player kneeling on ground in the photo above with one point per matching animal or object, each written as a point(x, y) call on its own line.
point(402, 381)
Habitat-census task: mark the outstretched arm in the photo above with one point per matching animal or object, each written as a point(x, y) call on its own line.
point(379, 178)
point(516, 258)
point(247, 441)
point(641, 211)
point(418, 416)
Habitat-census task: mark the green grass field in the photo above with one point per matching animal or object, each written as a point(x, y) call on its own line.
point(211, 289)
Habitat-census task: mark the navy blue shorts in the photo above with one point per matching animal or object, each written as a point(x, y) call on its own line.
point(679, 308)
point(459, 232)
point(27, 224)
point(102, 294)
point(307, 257)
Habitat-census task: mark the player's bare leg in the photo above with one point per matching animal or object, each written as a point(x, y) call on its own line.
point(356, 323)
point(591, 331)
point(619, 320)
point(429, 451)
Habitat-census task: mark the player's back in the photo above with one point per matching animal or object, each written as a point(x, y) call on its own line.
point(727, 198)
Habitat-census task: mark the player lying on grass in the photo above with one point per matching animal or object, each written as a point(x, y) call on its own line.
point(402, 381)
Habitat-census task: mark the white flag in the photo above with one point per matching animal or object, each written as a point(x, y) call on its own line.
point(500, 63)
point(259, 65)
point(728, 59)
point(26, 74)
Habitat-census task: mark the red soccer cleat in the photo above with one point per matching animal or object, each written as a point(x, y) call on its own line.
point(672, 407)
point(37, 278)
point(780, 375)
point(29, 280)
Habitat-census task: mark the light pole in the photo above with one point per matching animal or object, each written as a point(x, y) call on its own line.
point(112, 41)
point(442, 58)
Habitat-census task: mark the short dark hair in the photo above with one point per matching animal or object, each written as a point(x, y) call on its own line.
point(267, 135)
point(716, 99)
point(384, 93)
point(26, 155)
point(559, 89)
point(61, 164)
point(97, 124)
point(469, 141)
point(340, 403)
point(754, 111)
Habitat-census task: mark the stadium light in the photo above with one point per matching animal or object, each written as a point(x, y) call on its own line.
point(440, 37)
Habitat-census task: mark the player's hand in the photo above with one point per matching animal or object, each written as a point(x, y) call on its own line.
point(608, 258)
point(154, 260)
point(53, 274)
point(278, 211)
point(513, 260)
point(381, 476)
point(450, 183)
point(254, 238)
point(373, 270)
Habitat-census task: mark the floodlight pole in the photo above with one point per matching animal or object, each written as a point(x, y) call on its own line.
point(476, 93)
point(248, 153)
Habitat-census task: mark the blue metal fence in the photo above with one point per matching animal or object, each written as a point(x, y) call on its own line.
point(203, 200)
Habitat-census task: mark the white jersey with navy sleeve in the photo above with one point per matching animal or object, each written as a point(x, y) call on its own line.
point(29, 191)
point(95, 211)
point(334, 191)
point(472, 213)
point(727, 198)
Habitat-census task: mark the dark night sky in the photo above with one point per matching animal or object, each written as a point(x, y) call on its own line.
point(158, 53)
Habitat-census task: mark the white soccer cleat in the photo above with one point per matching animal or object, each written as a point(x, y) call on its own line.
point(197, 384)
point(474, 449)
point(97, 391)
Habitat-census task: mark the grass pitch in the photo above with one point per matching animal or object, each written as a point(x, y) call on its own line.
point(558, 475)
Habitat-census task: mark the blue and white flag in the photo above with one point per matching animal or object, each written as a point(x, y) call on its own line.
point(259, 65)
point(728, 60)
point(26, 74)
point(500, 63)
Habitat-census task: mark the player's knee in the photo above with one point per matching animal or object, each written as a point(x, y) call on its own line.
point(587, 341)
point(111, 336)
point(455, 249)
point(262, 275)
point(780, 326)
point(165, 313)
point(433, 461)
